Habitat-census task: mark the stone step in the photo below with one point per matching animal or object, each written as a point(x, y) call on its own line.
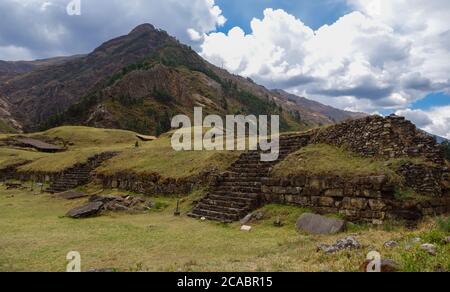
point(226, 203)
point(250, 184)
point(241, 200)
point(220, 208)
point(220, 216)
point(250, 170)
point(254, 196)
point(196, 216)
point(244, 181)
point(243, 175)
point(238, 188)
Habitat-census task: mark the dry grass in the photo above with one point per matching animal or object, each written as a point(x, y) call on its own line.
point(159, 157)
point(150, 157)
point(36, 238)
point(322, 159)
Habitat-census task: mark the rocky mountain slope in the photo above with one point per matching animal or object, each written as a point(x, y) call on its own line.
point(321, 113)
point(138, 82)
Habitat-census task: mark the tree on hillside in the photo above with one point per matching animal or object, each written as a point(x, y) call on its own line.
point(446, 146)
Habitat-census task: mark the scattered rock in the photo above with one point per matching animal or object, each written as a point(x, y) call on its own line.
point(386, 266)
point(278, 223)
point(347, 243)
point(106, 199)
point(246, 228)
point(416, 240)
point(246, 219)
point(258, 216)
point(429, 248)
point(13, 186)
point(101, 271)
point(447, 240)
point(128, 204)
point(72, 195)
point(316, 224)
point(85, 211)
point(326, 248)
point(391, 244)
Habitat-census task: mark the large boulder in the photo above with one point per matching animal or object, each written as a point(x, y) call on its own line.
point(316, 224)
point(87, 210)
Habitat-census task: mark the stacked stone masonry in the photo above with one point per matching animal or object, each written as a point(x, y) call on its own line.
point(371, 199)
point(375, 136)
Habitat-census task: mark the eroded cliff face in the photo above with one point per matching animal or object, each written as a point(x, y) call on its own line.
point(36, 95)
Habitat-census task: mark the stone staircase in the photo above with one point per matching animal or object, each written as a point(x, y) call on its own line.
point(78, 175)
point(237, 192)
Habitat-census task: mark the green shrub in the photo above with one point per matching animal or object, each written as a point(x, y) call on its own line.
point(444, 224)
point(446, 146)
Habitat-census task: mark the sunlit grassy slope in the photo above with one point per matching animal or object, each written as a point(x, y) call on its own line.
point(322, 159)
point(149, 157)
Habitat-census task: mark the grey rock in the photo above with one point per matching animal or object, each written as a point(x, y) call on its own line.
point(87, 210)
point(416, 240)
point(346, 243)
point(101, 271)
point(259, 216)
point(106, 199)
point(447, 240)
point(327, 248)
point(391, 244)
point(429, 248)
point(316, 224)
point(386, 266)
point(246, 219)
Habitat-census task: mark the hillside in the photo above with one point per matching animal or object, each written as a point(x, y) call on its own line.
point(322, 113)
point(138, 82)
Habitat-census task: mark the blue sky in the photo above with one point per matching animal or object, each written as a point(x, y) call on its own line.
point(432, 100)
point(313, 13)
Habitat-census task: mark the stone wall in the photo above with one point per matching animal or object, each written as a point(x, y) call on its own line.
point(426, 180)
point(370, 199)
point(375, 136)
point(154, 184)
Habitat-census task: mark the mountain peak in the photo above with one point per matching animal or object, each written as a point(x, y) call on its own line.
point(146, 27)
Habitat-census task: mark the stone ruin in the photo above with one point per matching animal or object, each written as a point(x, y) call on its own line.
point(375, 136)
point(249, 183)
point(372, 198)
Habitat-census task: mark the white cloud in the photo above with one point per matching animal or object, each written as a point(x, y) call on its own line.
point(435, 121)
point(12, 52)
point(367, 60)
point(43, 28)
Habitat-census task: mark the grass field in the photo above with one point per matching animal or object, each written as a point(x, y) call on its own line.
point(150, 157)
point(35, 237)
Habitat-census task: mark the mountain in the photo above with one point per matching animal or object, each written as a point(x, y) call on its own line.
point(322, 113)
point(10, 69)
point(138, 82)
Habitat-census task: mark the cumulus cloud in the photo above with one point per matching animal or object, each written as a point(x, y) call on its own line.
point(42, 28)
point(435, 121)
point(384, 55)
